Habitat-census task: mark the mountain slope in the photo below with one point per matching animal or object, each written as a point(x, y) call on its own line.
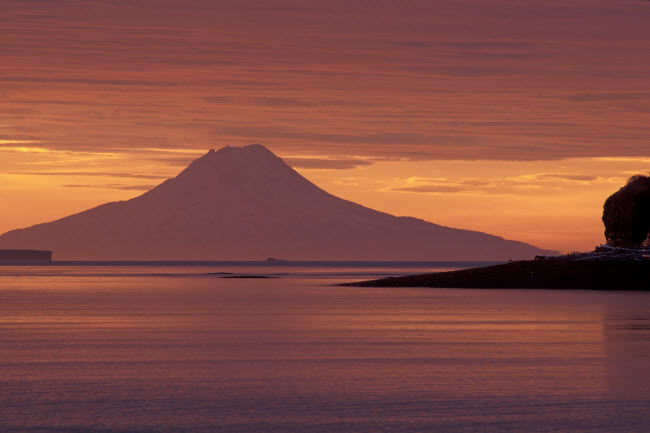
point(247, 204)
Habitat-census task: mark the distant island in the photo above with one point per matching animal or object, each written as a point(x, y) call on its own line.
point(26, 255)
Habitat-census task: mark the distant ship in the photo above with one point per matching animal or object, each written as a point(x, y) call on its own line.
point(26, 255)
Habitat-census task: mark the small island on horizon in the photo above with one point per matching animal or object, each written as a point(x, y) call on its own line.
point(25, 255)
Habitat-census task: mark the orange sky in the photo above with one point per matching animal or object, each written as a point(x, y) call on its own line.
point(513, 117)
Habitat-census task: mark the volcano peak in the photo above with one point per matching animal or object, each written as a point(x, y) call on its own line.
point(245, 203)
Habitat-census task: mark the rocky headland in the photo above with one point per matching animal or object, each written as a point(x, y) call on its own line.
point(605, 268)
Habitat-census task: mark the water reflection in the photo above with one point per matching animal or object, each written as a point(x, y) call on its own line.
point(627, 345)
point(127, 353)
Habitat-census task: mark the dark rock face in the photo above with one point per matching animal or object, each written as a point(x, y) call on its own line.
point(626, 214)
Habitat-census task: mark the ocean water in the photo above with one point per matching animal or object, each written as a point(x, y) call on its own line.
point(174, 347)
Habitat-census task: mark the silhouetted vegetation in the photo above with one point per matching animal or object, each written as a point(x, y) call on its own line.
point(626, 214)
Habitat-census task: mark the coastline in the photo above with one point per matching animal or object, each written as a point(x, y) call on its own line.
point(556, 273)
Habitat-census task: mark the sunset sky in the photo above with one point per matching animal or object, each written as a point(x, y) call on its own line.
point(517, 118)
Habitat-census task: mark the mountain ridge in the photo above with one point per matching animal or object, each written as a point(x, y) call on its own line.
point(246, 203)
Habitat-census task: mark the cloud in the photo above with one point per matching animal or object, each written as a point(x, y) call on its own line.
point(568, 177)
point(25, 149)
point(173, 161)
point(565, 176)
point(430, 188)
point(326, 163)
point(90, 81)
point(440, 185)
point(361, 76)
point(469, 70)
point(492, 45)
point(284, 102)
point(601, 97)
point(395, 138)
point(92, 174)
point(136, 83)
point(271, 101)
point(3, 143)
point(113, 186)
point(487, 185)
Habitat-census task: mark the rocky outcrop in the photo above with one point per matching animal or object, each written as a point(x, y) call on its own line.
point(594, 273)
point(626, 214)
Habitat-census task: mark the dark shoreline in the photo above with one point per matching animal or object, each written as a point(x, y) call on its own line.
point(628, 275)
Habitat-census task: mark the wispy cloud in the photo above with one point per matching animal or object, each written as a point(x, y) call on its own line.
point(4, 142)
point(608, 96)
point(89, 174)
point(326, 163)
point(431, 188)
point(383, 81)
point(495, 185)
point(112, 186)
point(557, 176)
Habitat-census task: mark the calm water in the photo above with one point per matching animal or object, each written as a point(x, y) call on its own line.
point(179, 349)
